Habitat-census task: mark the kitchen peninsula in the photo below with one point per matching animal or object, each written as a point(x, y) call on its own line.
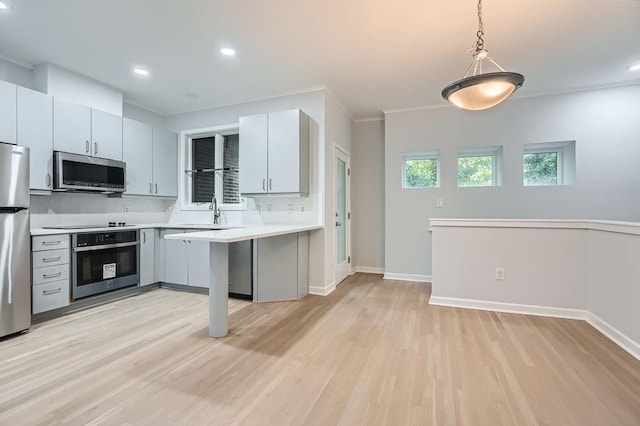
point(284, 261)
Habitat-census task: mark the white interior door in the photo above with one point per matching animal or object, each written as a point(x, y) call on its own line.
point(342, 215)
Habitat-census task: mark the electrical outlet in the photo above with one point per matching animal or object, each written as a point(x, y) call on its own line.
point(125, 209)
point(269, 208)
point(301, 209)
point(290, 208)
point(439, 202)
point(500, 274)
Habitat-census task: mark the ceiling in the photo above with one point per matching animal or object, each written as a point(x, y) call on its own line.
point(373, 54)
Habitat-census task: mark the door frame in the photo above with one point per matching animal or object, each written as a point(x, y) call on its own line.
point(339, 274)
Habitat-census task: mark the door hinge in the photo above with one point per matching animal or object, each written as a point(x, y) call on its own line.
point(348, 172)
point(349, 215)
point(349, 259)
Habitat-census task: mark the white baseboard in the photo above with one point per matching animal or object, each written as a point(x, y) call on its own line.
point(322, 291)
point(511, 308)
point(407, 277)
point(616, 336)
point(369, 270)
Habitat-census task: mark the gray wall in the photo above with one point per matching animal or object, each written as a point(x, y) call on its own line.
point(16, 74)
point(367, 195)
point(137, 113)
point(604, 124)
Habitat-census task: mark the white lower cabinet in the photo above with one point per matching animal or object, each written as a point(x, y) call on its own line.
point(49, 296)
point(50, 272)
point(281, 267)
point(186, 263)
point(147, 256)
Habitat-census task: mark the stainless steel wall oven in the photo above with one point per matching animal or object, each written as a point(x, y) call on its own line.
point(104, 261)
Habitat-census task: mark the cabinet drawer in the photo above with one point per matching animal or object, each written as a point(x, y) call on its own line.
point(50, 296)
point(50, 273)
point(50, 258)
point(50, 242)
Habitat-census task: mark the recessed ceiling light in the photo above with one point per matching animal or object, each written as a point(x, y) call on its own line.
point(227, 51)
point(635, 67)
point(3, 6)
point(141, 71)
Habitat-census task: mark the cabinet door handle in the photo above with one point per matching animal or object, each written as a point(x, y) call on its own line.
point(156, 188)
point(51, 243)
point(150, 188)
point(48, 292)
point(95, 148)
point(86, 147)
point(270, 180)
point(47, 276)
point(144, 238)
point(264, 182)
point(48, 180)
point(51, 259)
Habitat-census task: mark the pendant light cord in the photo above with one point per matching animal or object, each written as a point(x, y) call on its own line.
point(480, 33)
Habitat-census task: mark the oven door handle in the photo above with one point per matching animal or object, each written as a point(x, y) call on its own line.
point(105, 247)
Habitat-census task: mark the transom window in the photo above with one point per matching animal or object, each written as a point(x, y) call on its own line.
point(421, 170)
point(479, 166)
point(548, 164)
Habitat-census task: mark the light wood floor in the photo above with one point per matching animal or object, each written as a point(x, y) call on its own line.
point(373, 352)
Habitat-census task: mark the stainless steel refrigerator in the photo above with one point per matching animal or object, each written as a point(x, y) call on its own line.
point(15, 251)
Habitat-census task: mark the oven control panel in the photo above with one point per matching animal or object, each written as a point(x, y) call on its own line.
point(103, 238)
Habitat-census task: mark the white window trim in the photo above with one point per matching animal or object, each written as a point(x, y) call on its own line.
point(560, 148)
point(492, 151)
point(184, 159)
point(428, 155)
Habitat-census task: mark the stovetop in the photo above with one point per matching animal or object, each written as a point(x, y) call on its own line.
point(109, 225)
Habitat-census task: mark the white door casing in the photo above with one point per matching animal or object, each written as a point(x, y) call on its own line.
point(342, 216)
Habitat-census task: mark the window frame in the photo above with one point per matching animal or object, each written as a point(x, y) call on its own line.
point(490, 151)
point(425, 155)
point(565, 164)
point(185, 181)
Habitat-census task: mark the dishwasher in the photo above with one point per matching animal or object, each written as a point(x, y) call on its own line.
point(241, 270)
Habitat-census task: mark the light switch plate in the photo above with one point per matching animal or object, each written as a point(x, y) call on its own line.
point(439, 202)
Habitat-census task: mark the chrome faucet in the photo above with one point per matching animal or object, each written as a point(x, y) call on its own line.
point(216, 210)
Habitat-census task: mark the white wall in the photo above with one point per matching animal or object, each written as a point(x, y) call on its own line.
point(543, 267)
point(367, 196)
point(72, 87)
point(613, 284)
point(604, 124)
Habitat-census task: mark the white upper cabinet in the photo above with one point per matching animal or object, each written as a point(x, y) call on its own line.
point(106, 134)
point(288, 158)
point(81, 130)
point(71, 128)
point(253, 154)
point(165, 163)
point(35, 131)
point(274, 153)
point(137, 153)
point(8, 112)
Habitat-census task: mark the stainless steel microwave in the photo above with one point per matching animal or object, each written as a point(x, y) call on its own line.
point(73, 172)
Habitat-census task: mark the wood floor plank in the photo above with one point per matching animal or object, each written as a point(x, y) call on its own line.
point(373, 352)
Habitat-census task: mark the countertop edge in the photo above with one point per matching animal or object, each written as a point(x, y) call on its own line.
point(632, 228)
point(243, 234)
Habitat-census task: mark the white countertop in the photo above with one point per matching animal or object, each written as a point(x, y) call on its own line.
point(209, 226)
point(595, 225)
point(242, 234)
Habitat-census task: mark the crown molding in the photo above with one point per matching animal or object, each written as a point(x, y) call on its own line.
point(17, 62)
point(340, 104)
point(368, 120)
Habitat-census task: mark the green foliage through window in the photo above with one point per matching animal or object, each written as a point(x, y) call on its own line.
point(421, 173)
point(540, 168)
point(475, 170)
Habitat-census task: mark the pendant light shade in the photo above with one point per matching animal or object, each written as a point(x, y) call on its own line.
point(477, 90)
point(482, 91)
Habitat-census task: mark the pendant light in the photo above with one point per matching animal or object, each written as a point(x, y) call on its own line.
point(477, 90)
